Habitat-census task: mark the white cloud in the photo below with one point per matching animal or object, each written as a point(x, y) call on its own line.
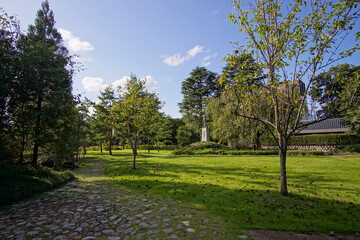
point(195, 50)
point(120, 82)
point(178, 59)
point(73, 43)
point(92, 84)
point(175, 60)
point(206, 64)
point(208, 57)
point(151, 84)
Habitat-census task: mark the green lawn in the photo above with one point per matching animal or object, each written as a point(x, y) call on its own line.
point(244, 190)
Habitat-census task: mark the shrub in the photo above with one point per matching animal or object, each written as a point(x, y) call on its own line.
point(319, 139)
point(354, 148)
point(305, 153)
point(206, 145)
point(19, 182)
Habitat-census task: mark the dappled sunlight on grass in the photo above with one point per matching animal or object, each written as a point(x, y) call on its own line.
point(245, 189)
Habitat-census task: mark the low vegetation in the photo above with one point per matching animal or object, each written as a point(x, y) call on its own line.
point(19, 182)
point(244, 190)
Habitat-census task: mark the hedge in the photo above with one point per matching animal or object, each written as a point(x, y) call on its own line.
point(140, 147)
point(319, 139)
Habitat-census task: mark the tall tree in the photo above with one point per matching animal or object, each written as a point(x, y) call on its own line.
point(292, 41)
point(226, 126)
point(46, 78)
point(197, 89)
point(136, 112)
point(104, 118)
point(9, 67)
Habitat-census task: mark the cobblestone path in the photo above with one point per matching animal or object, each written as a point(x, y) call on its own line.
point(92, 207)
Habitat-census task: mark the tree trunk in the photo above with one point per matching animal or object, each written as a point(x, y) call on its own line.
point(148, 145)
point(100, 147)
point(23, 142)
point(134, 149)
point(283, 179)
point(37, 132)
point(110, 138)
point(84, 150)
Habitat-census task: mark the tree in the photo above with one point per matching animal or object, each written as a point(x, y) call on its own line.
point(226, 126)
point(197, 89)
point(44, 84)
point(292, 42)
point(9, 63)
point(184, 136)
point(136, 112)
point(104, 118)
point(328, 86)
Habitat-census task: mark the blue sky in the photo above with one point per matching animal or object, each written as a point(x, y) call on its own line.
point(162, 40)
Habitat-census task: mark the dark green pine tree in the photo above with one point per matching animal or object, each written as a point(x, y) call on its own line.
point(103, 118)
point(46, 79)
point(197, 90)
point(9, 66)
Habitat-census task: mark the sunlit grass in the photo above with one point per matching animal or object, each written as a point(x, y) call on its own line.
point(244, 190)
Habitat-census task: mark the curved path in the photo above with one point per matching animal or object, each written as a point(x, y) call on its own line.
point(92, 207)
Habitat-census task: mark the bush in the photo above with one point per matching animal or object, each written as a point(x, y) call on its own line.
point(19, 182)
point(206, 145)
point(305, 153)
point(319, 139)
point(354, 148)
point(250, 152)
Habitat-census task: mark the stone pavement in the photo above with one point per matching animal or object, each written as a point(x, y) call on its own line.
point(90, 208)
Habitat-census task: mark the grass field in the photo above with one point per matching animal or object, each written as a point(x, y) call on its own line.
point(244, 190)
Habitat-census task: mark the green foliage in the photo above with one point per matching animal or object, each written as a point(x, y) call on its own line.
point(354, 148)
point(185, 136)
point(36, 78)
point(244, 189)
point(136, 113)
point(305, 153)
point(225, 123)
point(320, 139)
point(103, 122)
point(201, 85)
point(328, 88)
point(206, 145)
point(19, 182)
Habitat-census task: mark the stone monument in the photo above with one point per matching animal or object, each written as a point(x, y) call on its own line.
point(205, 136)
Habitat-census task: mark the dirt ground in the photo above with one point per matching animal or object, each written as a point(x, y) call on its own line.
point(278, 235)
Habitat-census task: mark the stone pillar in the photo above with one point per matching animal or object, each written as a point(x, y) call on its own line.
point(205, 136)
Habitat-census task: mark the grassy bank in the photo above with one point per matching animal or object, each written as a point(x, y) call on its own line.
point(244, 190)
point(19, 182)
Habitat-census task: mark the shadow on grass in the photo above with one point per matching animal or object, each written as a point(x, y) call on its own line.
point(255, 204)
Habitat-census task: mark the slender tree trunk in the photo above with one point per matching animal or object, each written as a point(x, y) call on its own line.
point(37, 132)
point(148, 145)
point(100, 147)
point(134, 149)
point(23, 142)
point(283, 179)
point(84, 150)
point(110, 138)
